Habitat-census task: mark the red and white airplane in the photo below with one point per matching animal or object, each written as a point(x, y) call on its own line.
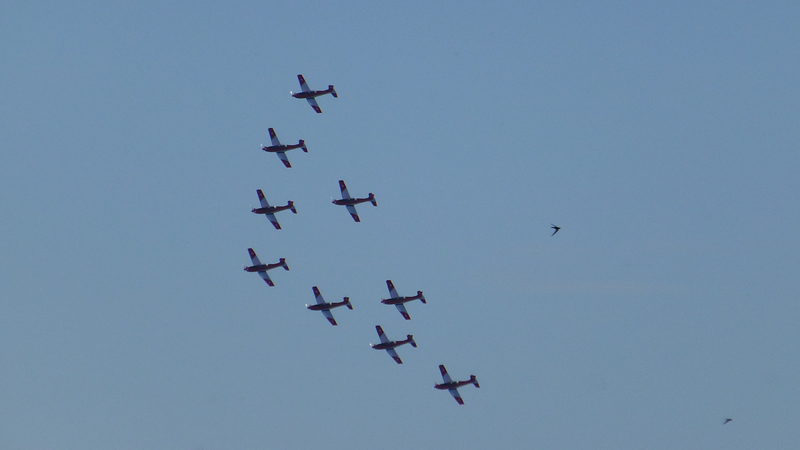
point(263, 268)
point(350, 202)
point(453, 386)
point(398, 301)
point(281, 149)
point(327, 307)
point(270, 211)
point(389, 346)
point(310, 95)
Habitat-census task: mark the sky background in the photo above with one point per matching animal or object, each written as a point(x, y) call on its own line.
point(662, 138)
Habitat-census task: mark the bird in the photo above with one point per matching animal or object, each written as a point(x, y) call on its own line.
point(727, 420)
point(555, 228)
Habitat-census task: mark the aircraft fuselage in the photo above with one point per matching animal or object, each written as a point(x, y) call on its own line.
point(324, 306)
point(351, 201)
point(401, 300)
point(262, 267)
point(453, 384)
point(312, 94)
point(271, 209)
point(282, 147)
point(391, 344)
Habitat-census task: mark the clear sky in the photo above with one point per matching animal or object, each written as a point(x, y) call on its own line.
point(662, 138)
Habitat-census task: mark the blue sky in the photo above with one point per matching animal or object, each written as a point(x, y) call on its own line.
point(661, 138)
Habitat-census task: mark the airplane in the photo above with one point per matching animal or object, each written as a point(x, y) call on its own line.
point(389, 346)
point(398, 301)
point(327, 307)
point(350, 202)
point(270, 211)
point(281, 149)
point(453, 386)
point(555, 228)
point(263, 268)
point(310, 95)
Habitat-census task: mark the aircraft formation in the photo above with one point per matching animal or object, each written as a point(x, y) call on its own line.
point(349, 202)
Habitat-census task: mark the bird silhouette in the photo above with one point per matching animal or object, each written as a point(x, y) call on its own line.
point(555, 228)
point(726, 421)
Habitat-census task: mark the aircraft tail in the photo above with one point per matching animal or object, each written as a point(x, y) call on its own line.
point(372, 199)
point(333, 91)
point(303, 145)
point(413, 342)
point(421, 297)
point(347, 303)
point(283, 263)
point(474, 381)
point(291, 207)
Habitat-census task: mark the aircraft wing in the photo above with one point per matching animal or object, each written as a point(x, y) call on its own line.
point(395, 356)
point(352, 210)
point(392, 290)
point(253, 257)
point(262, 199)
point(303, 84)
point(329, 316)
point(445, 375)
point(381, 334)
point(274, 221)
point(454, 393)
point(266, 278)
point(274, 137)
point(343, 188)
point(313, 103)
point(318, 295)
point(402, 308)
point(282, 156)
